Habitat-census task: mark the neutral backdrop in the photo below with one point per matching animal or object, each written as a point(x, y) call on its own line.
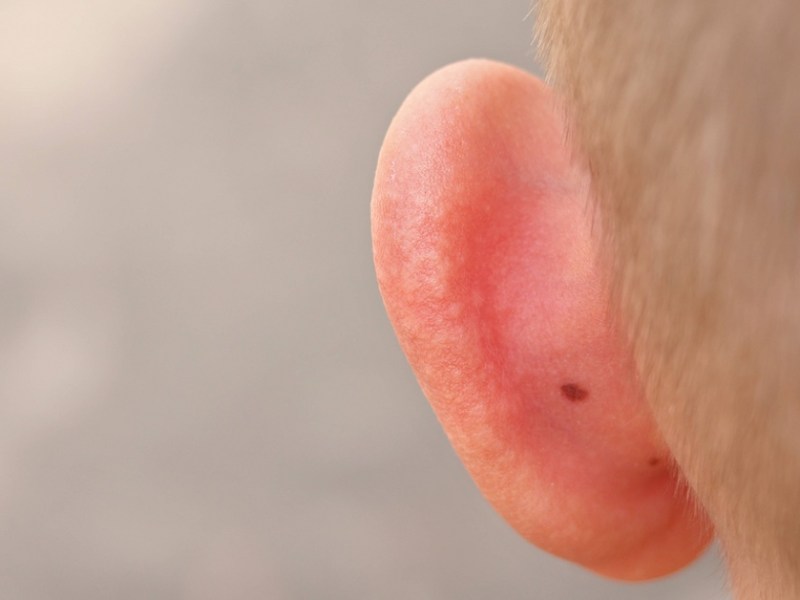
point(200, 395)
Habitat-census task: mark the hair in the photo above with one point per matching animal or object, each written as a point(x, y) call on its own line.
point(687, 115)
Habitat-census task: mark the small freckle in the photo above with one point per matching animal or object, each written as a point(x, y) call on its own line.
point(574, 392)
point(653, 461)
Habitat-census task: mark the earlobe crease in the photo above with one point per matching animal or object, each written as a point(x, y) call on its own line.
point(492, 283)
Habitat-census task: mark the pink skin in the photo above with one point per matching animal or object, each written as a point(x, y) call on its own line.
point(486, 259)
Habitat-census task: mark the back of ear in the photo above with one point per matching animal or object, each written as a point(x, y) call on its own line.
point(487, 262)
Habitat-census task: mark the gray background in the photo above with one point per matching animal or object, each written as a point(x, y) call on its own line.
point(200, 396)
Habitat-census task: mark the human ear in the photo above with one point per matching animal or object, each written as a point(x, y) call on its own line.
point(486, 253)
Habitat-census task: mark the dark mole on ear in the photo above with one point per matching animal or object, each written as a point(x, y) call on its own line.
point(574, 392)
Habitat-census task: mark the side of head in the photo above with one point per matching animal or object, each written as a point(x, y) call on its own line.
point(688, 116)
point(596, 293)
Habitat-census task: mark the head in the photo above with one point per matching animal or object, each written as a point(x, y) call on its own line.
point(597, 282)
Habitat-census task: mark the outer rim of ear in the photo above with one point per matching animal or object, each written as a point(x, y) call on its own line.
point(485, 257)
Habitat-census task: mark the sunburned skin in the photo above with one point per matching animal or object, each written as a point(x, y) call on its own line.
point(486, 257)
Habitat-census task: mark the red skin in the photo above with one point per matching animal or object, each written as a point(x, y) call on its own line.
point(485, 257)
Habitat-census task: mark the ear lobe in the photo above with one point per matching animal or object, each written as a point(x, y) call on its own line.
point(487, 264)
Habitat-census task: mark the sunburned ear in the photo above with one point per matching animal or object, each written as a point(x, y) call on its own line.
point(487, 262)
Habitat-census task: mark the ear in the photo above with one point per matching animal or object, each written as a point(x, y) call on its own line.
point(487, 261)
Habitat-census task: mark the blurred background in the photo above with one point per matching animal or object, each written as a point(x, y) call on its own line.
point(200, 396)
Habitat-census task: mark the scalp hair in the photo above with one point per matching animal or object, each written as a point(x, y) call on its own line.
point(687, 115)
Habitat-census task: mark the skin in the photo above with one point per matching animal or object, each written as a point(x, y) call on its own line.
point(597, 286)
point(487, 263)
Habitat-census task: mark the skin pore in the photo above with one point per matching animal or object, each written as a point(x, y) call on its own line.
point(597, 286)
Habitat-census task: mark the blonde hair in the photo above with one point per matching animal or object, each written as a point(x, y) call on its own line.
point(687, 114)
